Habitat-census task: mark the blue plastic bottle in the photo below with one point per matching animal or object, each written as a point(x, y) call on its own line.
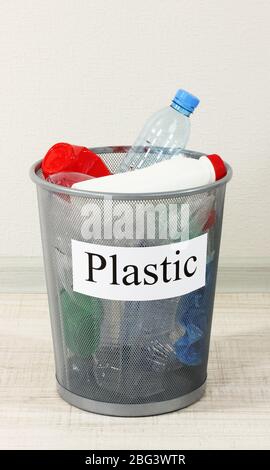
point(194, 315)
point(164, 135)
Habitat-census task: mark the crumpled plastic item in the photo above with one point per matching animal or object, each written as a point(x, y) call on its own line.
point(73, 158)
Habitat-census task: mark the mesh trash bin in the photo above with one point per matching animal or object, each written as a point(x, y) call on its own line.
point(131, 284)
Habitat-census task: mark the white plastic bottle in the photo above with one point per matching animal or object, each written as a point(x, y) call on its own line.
point(176, 174)
point(164, 135)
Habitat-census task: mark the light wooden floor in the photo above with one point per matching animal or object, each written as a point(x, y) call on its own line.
point(233, 414)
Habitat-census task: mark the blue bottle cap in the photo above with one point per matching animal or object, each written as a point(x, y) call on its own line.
point(185, 102)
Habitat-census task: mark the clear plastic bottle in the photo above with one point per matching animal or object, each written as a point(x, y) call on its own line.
point(164, 135)
point(149, 329)
point(108, 360)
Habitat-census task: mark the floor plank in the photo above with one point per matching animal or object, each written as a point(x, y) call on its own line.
point(233, 414)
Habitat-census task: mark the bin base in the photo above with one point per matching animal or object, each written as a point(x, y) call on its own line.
point(117, 409)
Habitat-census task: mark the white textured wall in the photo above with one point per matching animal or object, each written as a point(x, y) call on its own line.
point(91, 71)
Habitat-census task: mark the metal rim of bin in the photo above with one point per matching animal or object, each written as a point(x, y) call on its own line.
point(117, 409)
point(125, 196)
point(131, 410)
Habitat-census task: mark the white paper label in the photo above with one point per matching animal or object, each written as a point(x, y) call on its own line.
point(139, 273)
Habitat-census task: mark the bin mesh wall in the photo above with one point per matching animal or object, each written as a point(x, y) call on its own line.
point(127, 352)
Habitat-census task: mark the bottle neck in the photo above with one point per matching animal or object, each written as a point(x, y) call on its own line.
point(179, 108)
